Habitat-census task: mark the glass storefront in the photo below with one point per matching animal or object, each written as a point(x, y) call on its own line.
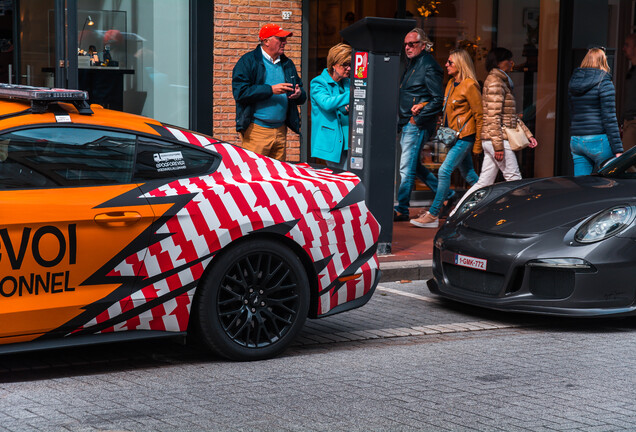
point(547, 37)
point(27, 42)
point(133, 55)
point(477, 26)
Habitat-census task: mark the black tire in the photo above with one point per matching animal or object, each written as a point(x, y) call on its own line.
point(254, 301)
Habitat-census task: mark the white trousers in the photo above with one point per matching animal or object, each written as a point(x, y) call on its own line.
point(491, 166)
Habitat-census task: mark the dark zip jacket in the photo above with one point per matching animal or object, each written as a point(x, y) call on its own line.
point(248, 87)
point(421, 82)
point(592, 100)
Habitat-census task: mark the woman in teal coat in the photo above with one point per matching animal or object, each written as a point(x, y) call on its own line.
point(330, 109)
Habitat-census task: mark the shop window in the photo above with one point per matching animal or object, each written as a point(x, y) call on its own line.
point(477, 26)
point(142, 60)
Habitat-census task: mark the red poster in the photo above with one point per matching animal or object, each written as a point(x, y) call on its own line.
point(360, 69)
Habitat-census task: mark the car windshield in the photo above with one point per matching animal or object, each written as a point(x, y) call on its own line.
point(621, 167)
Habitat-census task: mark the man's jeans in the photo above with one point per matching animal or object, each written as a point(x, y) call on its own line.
point(411, 142)
point(589, 152)
point(457, 156)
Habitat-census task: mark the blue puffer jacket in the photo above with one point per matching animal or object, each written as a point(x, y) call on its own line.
point(592, 101)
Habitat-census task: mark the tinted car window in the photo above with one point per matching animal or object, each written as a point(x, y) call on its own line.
point(65, 156)
point(162, 159)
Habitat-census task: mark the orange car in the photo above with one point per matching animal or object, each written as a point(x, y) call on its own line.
point(115, 226)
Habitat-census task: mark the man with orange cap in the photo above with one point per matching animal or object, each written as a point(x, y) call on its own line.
point(267, 91)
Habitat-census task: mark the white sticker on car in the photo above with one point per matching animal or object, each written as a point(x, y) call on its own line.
point(470, 262)
point(63, 118)
point(169, 161)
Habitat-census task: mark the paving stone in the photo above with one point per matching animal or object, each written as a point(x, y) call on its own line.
point(384, 367)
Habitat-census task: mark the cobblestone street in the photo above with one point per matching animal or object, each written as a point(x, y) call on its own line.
point(405, 361)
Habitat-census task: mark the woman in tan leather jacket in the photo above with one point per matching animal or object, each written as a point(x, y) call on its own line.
point(463, 112)
point(499, 110)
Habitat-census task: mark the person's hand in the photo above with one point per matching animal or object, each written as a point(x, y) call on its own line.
point(412, 120)
point(533, 142)
point(499, 155)
point(618, 154)
point(415, 109)
point(347, 108)
point(296, 93)
point(282, 88)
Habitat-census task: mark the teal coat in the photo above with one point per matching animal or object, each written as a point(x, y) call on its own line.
point(329, 118)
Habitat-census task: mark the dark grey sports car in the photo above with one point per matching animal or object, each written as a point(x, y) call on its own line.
point(557, 246)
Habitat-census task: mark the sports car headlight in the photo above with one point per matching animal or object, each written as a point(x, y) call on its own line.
point(561, 263)
point(605, 224)
point(472, 201)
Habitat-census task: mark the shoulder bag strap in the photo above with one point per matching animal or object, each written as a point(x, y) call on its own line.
point(444, 108)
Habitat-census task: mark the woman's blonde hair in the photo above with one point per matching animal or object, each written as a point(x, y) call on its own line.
point(338, 54)
point(464, 65)
point(595, 58)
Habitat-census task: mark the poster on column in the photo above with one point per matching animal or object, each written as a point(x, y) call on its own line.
point(360, 69)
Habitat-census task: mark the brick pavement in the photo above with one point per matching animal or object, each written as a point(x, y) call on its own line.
point(543, 376)
point(406, 309)
point(514, 380)
point(410, 243)
point(412, 252)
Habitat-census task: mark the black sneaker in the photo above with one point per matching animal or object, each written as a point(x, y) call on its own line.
point(400, 217)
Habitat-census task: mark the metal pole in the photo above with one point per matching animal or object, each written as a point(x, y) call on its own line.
point(71, 70)
point(60, 45)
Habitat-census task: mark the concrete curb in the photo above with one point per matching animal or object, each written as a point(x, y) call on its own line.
point(406, 270)
point(385, 333)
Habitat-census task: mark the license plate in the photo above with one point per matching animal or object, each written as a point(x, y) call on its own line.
point(470, 262)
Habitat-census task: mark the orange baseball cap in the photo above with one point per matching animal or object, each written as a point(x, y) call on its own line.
point(269, 30)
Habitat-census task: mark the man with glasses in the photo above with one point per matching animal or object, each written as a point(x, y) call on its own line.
point(421, 98)
point(267, 91)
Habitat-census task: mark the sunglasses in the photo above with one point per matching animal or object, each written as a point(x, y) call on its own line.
point(280, 38)
point(412, 44)
point(450, 62)
point(346, 65)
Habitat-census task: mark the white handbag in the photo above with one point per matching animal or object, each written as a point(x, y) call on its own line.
point(516, 137)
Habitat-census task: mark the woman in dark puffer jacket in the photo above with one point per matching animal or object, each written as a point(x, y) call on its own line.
point(594, 132)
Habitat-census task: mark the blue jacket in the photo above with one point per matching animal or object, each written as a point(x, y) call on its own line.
point(329, 118)
point(248, 87)
point(592, 100)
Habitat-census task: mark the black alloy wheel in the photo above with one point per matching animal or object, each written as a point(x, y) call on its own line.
point(254, 302)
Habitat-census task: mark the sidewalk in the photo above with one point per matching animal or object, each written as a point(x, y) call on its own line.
point(411, 252)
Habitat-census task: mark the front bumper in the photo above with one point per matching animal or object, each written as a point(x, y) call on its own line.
point(511, 283)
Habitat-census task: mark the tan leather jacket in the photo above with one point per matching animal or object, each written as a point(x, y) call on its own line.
point(464, 107)
point(500, 109)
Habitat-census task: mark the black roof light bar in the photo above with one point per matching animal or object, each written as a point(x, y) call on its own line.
point(41, 97)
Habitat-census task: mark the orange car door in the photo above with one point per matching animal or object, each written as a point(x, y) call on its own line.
point(72, 225)
point(58, 250)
